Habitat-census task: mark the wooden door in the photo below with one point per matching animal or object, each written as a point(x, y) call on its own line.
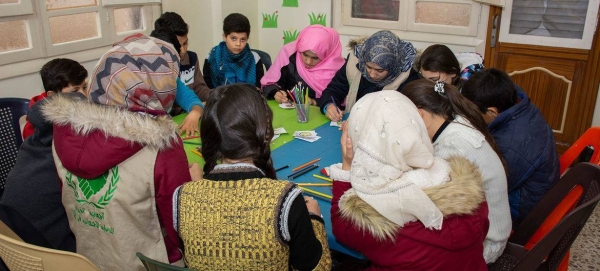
point(563, 82)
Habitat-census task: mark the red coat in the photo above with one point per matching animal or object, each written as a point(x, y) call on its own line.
point(28, 129)
point(457, 246)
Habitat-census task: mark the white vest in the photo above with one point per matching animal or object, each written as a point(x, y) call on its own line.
point(115, 216)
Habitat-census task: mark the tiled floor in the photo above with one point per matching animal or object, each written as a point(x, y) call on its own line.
point(585, 252)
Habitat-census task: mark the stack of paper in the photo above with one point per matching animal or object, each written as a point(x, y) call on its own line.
point(310, 136)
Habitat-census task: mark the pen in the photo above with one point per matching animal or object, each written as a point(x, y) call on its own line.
point(283, 167)
point(302, 172)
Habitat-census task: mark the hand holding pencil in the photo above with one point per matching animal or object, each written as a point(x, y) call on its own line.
point(333, 113)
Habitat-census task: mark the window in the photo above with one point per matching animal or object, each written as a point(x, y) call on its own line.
point(412, 18)
point(557, 23)
point(67, 26)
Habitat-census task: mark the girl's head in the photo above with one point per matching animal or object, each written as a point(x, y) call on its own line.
point(438, 63)
point(237, 125)
point(316, 43)
point(445, 100)
point(383, 56)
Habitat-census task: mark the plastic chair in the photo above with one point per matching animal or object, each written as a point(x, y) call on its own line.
point(18, 255)
point(548, 253)
point(6, 231)
point(154, 265)
point(590, 137)
point(265, 57)
point(11, 111)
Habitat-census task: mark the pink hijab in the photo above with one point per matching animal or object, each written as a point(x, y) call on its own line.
point(325, 43)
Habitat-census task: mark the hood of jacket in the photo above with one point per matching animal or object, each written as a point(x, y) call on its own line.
point(462, 195)
point(91, 138)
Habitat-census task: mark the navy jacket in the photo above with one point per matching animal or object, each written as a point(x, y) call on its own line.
point(527, 144)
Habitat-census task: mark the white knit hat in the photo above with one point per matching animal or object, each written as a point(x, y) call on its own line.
point(393, 159)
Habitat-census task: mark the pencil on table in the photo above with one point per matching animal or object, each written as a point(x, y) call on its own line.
point(193, 143)
point(313, 184)
point(283, 167)
point(322, 178)
point(306, 164)
point(318, 194)
point(301, 172)
point(196, 152)
point(190, 137)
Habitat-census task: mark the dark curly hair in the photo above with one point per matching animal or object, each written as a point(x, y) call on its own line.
point(173, 21)
point(60, 72)
point(237, 124)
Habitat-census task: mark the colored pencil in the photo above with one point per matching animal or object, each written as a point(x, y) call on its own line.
point(302, 172)
point(318, 194)
point(314, 184)
point(196, 152)
point(193, 143)
point(283, 167)
point(322, 178)
point(306, 164)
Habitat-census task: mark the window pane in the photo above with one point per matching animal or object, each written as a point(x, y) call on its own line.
point(17, 31)
point(58, 4)
point(549, 18)
point(376, 9)
point(454, 14)
point(128, 19)
point(73, 27)
point(9, 2)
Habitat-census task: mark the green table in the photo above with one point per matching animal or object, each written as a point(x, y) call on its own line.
point(285, 118)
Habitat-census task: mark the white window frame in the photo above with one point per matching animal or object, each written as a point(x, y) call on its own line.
point(584, 43)
point(23, 7)
point(472, 36)
point(25, 61)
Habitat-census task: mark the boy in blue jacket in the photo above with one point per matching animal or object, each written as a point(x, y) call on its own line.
point(522, 135)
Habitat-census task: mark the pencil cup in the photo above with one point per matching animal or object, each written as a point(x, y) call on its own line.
point(302, 112)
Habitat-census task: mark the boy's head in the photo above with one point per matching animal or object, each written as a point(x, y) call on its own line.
point(492, 91)
point(63, 75)
point(236, 31)
point(167, 35)
point(175, 23)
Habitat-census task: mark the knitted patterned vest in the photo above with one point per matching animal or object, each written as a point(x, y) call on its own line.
point(232, 225)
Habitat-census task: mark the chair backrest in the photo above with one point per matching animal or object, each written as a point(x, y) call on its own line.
point(154, 265)
point(265, 57)
point(590, 137)
point(18, 255)
point(8, 232)
point(581, 182)
point(11, 111)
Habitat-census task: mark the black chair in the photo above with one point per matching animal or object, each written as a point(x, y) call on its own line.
point(548, 253)
point(11, 111)
point(265, 57)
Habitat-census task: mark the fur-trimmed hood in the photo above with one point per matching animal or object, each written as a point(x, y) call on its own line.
point(102, 136)
point(462, 195)
point(354, 42)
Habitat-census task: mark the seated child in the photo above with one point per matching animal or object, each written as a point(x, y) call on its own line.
point(58, 75)
point(397, 203)
point(523, 136)
point(439, 63)
point(313, 59)
point(31, 204)
point(232, 61)
point(184, 96)
point(190, 73)
point(239, 216)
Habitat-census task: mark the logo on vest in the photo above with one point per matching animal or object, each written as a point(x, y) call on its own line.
point(85, 191)
point(187, 76)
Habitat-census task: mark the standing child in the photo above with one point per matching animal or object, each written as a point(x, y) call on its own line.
point(232, 61)
point(58, 75)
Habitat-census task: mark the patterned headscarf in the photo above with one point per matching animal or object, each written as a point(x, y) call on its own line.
point(388, 51)
point(138, 73)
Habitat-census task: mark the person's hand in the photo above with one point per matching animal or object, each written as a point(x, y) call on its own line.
point(313, 102)
point(312, 205)
point(195, 171)
point(333, 113)
point(281, 97)
point(190, 124)
point(347, 151)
